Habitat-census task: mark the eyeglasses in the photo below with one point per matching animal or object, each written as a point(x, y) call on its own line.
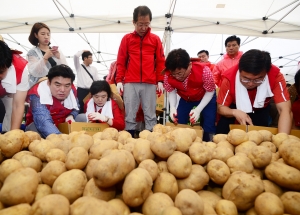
point(255, 81)
point(140, 25)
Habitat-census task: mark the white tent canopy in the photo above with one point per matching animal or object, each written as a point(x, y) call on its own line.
point(98, 25)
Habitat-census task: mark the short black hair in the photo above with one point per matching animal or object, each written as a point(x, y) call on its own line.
point(206, 52)
point(99, 86)
point(255, 61)
point(61, 70)
point(5, 57)
point(297, 81)
point(233, 38)
point(86, 54)
point(177, 59)
point(141, 11)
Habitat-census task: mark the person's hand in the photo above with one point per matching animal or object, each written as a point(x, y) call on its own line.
point(194, 115)
point(159, 89)
point(48, 54)
point(97, 116)
point(56, 53)
point(120, 88)
point(173, 115)
point(242, 117)
point(70, 119)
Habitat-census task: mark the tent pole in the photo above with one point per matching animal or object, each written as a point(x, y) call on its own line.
point(166, 102)
point(281, 9)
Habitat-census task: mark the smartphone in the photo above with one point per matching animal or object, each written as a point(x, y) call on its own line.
point(54, 48)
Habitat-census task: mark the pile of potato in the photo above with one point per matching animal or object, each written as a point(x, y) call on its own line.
point(165, 172)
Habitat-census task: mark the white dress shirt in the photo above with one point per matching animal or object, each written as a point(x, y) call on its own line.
point(83, 78)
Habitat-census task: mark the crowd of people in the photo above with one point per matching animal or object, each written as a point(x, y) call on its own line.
point(241, 88)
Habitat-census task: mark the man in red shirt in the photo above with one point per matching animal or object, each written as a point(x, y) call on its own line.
point(139, 64)
point(246, 91)
point(194, 83)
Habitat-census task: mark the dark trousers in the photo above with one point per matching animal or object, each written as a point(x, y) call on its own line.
point(260, 117)
point(2, 111)
point(81, 94)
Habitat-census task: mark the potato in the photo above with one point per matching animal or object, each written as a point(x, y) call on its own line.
point(171, 211)
point(77, 158)
point(200, 153)
point(240, 163)
point(81, 140)
point(219, 137)
point(267, 135)
point(51, 204)
point(18, 155)
point(105, 194)
point(142, 150)
point(196, 180)
point(110, 134)
point(162, 146)
point(258, 172)
point(189, 202)
point(275, 157)
point(70, 184)
point(89, 168)
point(272, 188)
point(179, 164)
point(11, 194)
point(97, 136)
point(215, 190)
point(7, 167)
point(209, 199)
point(119, 206)
point(55, 154)
point(32, 162)
point(156, 203)
point(162, 166)
point(42, 190)
point(32, 135)
point(182, 138)
point(136, 187)
point(290, 202)
point(251, 211)
point(151, 167)
point(40, 149)
point(212, 145)
point(279, 138)
point(222, 153)
point(160, 128)
point(245, 147)
point(225, 207)
point(237, 136)
point(225, 143)
point(60, 141)
point(123, 135)
point(218, 171)
point(97, 150)
point(268, 203)
point(198, 139)
point(128, 147)
point(52, 171)
point(269, 145)
point(166, 183)
point(21, 209)
point(289, 150)
point(255, 137)
point(88, 205)
point(12, 142)
point(113, 167)
point(283, 175)
point(144, 134)
point(242, 188)
point(260, 156)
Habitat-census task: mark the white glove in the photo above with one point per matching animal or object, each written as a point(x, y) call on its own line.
point(173, 115)
point(120, 88)
point(195, 113)
point(159, 89)
point(70, 119)
point(97, 116)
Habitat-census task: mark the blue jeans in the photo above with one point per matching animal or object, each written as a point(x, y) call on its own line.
point(208, 114)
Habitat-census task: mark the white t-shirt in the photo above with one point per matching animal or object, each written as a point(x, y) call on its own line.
point(10, 81)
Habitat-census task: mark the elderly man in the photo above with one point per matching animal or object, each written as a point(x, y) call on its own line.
point(246, 90)
point(52, 101)
point(13, 86)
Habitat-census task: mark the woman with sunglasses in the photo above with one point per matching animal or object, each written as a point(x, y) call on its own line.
point(194, 83)
point(42, 57)
point(246, 90)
